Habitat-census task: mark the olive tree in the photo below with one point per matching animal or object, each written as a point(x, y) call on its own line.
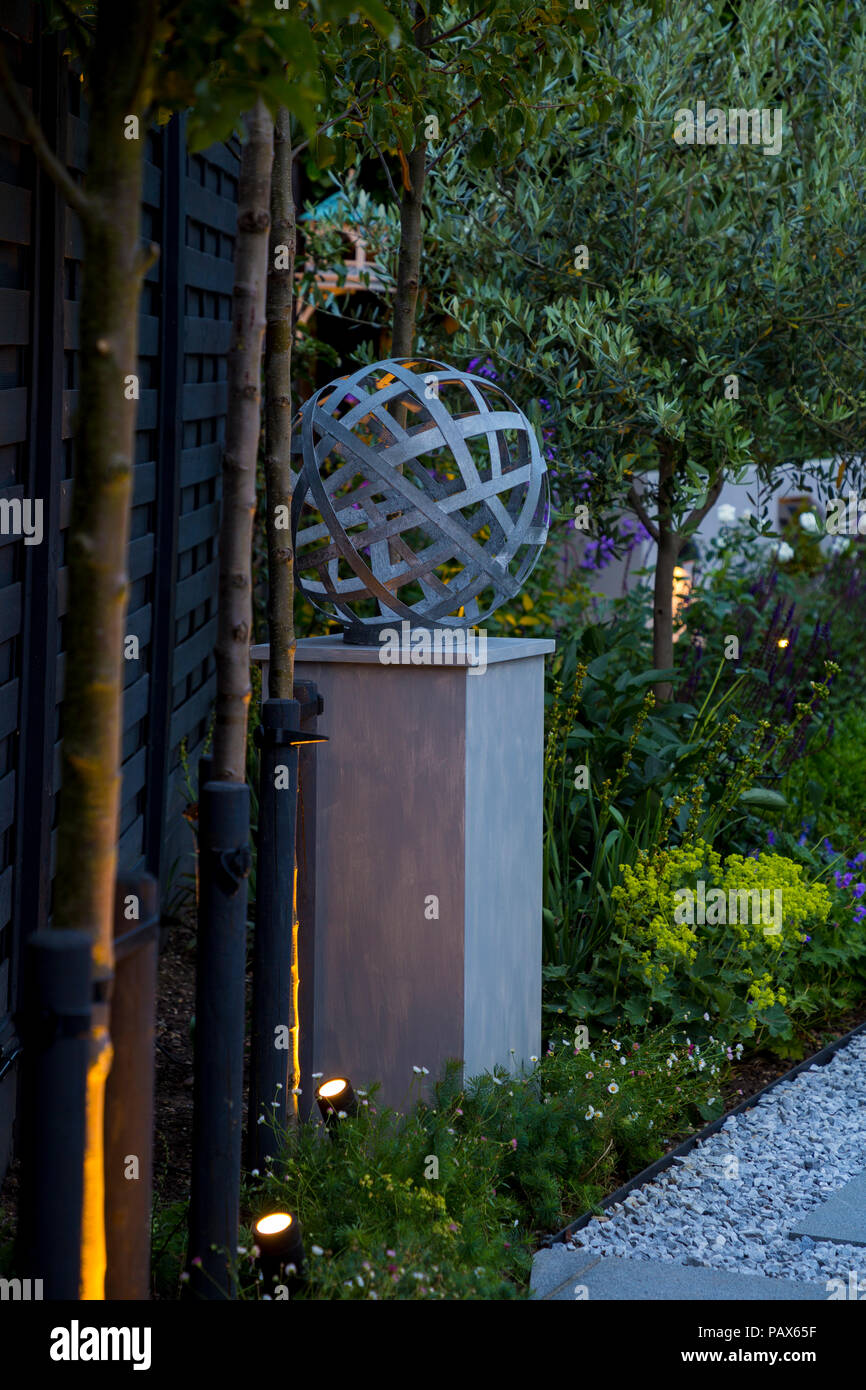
point(679, 283)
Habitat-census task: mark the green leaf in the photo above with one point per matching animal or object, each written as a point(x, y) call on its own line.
point(325, 151)
point(724, 999)
point(635, 1009)
point(710, 1112)
point(777, 1021)
point(765, 798)
point(483, 152)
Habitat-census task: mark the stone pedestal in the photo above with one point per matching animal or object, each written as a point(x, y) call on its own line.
point(428, 861)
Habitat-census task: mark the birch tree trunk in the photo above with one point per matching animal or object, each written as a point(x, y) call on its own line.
point(278, 417)
point(109, 207)
point(243, 423)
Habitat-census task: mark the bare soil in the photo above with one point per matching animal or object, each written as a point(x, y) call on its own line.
point(175, 1008)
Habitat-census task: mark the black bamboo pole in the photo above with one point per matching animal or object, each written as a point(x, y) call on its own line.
point(272, 1043)
point(224, 866)
point(55, 1026)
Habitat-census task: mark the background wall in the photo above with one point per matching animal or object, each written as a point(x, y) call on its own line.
point(622, 574)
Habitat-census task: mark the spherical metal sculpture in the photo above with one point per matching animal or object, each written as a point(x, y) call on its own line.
point(422, 496)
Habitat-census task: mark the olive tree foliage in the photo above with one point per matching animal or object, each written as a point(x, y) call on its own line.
point(470, 81)
point(690, 310)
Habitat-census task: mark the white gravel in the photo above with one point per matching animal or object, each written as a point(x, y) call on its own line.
point(731, 1203)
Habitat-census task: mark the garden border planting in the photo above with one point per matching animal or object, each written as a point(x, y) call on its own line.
point(819, 1059)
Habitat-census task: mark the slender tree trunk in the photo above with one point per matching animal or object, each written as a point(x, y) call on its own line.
point(411, 228)
point(278, 485)
point(278, 417)
point(669, 545)
point(109, 206)
point(110, 210)
point(663, 627)
point(234, 623)
point(409, 260)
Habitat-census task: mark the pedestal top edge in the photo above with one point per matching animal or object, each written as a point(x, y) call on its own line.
point(335, 649)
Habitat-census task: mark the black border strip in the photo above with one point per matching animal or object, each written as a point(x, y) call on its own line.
point(819, 1059)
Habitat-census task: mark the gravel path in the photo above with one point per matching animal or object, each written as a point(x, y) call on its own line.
point(731, 1203)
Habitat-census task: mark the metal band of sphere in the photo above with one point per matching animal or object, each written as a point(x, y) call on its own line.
point(350, 430)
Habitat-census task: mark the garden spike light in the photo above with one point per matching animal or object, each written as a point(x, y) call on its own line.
point(281, 1250)
point(336, 1098)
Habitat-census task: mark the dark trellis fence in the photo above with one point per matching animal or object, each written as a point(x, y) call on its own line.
point(189, 211)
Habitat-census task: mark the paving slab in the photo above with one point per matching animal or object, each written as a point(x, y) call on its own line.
point(842, 1217)
point(559, 1275)
point(556, 1266)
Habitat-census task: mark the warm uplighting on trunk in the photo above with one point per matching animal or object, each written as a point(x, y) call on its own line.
point(296, 985)
point(683, 585)
point(681, 591)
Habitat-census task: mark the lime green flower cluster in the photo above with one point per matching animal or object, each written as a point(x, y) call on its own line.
point(802, 904)
point(763, 996)
point(706, 934)
point(647, 902)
